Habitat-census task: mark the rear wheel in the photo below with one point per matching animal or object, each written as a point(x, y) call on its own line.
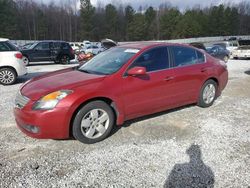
point(26, 61)
point(64, 59)
point(226, 58)
point(7, 76)
point(93, 122)
point(207, 94)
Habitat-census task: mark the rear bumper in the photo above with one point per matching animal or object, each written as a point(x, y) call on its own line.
point(223, 81)
point(240, 55)
point(20, 68)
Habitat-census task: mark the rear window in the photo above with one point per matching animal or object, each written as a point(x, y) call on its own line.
point(7, 46)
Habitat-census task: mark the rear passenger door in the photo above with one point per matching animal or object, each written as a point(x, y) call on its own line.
point(56, 48)
point(189, 73)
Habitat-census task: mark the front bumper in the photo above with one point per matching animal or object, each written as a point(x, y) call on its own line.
point(51, 124)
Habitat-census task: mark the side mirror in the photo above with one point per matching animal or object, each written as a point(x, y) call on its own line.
point(136, 71)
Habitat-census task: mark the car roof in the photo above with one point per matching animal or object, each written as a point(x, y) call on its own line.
point(52, 41)
point(3, 39)
point(144, 45)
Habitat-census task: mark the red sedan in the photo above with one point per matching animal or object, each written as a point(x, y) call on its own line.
point(119, 84)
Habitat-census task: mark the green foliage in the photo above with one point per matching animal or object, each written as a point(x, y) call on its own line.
point(137, 29)
point(23, 19)
point(168, 22)
point(111, 18)
point(8, 17)
point(86, 17)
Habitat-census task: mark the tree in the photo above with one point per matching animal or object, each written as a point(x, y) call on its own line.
point(8, 18)
point(137, 29)
point(150, 16)
point(87, 13)
point(168, 22)
point(187, 27)
point(111, 20)
point(129, 17)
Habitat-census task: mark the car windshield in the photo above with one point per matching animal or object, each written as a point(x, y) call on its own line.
point(109, 61)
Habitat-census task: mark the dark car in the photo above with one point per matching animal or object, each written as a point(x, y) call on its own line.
point(120, 84)
point(58, 51)
point(26, 46)
point(219, 52)
point(198, 45)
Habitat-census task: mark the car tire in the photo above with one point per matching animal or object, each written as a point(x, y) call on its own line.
point(93, 122)
point(8, 76)
point(226, 58)
point(64, 59)
point(26, 61)
point(208, 94)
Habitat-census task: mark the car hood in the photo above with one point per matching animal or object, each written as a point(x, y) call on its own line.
point(58, 80)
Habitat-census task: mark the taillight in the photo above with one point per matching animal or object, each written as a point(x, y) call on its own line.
point(72, 51)
point(19, 55)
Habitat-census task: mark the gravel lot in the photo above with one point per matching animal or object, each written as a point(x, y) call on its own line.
point(187, 146)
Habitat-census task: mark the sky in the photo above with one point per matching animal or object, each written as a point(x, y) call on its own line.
point(181, 4)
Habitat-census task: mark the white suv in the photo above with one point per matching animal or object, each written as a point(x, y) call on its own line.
point(11, 63)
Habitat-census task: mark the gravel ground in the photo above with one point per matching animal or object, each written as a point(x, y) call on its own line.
point(189, 146)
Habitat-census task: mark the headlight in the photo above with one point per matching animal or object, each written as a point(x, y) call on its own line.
point(50, 101)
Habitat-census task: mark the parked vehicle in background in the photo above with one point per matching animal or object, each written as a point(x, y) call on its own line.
point(219, 52)
point(86, 43)
point(229, 45)
point(120, 84)
point(243, 51)
point(75, 46)
point(93, 49)
point(58, 51)
point(108, 43)
point(198, 45)
point(11, 63)
point(27, 46)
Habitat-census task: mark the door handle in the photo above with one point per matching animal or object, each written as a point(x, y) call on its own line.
point(169, 78)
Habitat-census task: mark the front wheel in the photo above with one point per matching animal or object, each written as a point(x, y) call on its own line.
point(207, 94)
point(7, 76)
point(93, 122)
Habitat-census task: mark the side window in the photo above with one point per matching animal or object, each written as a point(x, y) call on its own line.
point(57, 45)
point(184, 56)
point(4, 47)
point(65, 46)
point(201, 57)
point(152, 60)
point(42, 46)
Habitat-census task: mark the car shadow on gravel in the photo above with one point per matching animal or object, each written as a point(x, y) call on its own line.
point(247, 72)
point(195, 173)
point(29, 76)
point(147, 117)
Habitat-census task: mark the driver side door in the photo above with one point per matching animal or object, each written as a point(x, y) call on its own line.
point(42, 52)
point(149, 93)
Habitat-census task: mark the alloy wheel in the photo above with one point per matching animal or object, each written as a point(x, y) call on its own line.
point(25, 61)
point(7, 76)
point(209, 93)
point(95, 123)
